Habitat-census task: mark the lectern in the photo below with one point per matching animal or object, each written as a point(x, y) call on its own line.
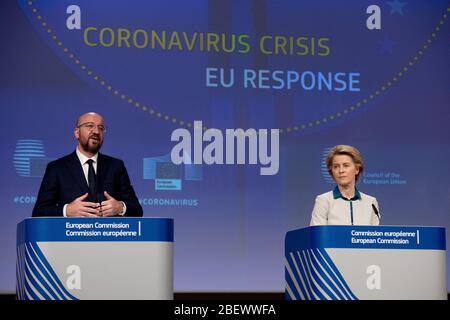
point(365, 262)
point(94, 258)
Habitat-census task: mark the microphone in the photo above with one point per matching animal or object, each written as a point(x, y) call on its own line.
point(376, 211)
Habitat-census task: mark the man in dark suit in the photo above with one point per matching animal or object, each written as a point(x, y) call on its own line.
point(86, 183)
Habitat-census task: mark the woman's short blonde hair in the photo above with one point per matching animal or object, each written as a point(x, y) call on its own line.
point(350, 151)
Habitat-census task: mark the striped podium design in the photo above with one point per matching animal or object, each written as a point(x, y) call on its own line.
point(365, 262)
point(312, 275)
point(95, 258)
point(36, 279)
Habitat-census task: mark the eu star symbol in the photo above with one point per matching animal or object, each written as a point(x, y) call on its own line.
point(386, 45)
point(396, 6)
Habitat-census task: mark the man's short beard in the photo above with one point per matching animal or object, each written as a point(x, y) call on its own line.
point(91, 149)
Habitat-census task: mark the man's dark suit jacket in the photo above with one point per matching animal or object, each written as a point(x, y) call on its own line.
point(64, 181)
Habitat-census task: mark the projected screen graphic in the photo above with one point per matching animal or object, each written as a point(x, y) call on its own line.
point(372, 74)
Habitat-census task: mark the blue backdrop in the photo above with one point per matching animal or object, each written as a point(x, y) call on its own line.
point(377, 80)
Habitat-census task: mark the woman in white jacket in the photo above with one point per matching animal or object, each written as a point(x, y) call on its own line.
point(345, 204)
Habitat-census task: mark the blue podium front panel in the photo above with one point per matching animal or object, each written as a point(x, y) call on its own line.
point(94, 258)
point(365, 262)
